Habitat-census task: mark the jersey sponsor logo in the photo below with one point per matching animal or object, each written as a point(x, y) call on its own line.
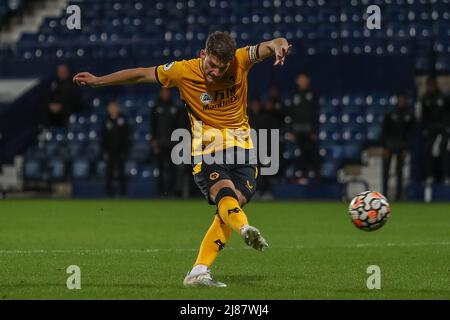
point(214, 176)
point(169, 65)
point(225, 93)
point(206, 98)
point(222, 98)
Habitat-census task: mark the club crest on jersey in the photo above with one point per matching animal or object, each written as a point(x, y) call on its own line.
point(169, 65)
point(206, 98)
point(213, 176)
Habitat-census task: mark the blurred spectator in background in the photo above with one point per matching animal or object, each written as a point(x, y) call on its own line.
point(115, 143)
point(265, 115)
point(397, 139)
point(255, 113)
point(446, 144)
point(64, 98)
point(183, 172)
point(275, 97)
point(164, 120)
point(435, 132)
point(304, 116)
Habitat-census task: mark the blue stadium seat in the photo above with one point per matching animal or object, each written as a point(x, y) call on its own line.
point(132, 169)
point(57, 169)
point(353, 115)
point(352, 152)
point(330, 117)
point(147, 172)
point(140, 151)
point(374, 132)
point(291, 152)
point(37, 152)
point(332, 152)
point(32, 170)
point(291, 172)
point(328, 170)
point(354, 132)
point(330, 132)
point(75, 149)
point(141, 133)
point(92, 150)
point(54, 149)
point(81, 169)
point(375, 114)
point(100, 170)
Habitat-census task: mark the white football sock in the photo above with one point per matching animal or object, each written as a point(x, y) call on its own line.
point(198, 269)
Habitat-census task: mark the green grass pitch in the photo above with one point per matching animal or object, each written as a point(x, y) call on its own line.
point(143, 249)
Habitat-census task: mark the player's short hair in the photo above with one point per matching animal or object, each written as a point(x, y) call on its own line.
point(221, 45)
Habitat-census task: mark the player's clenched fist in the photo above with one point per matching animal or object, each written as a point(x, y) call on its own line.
point(85, 79)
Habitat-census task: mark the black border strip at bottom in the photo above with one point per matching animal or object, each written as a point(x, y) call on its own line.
point(228, 309)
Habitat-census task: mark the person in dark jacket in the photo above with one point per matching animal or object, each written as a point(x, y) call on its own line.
point(255, 113)
point(185, 185)
point(164, 121)
point(446, 144)
point(304, 114)
point(397, 138)
point(115, 144)
point(434, 118)
point(64, 98)
point(265, 115)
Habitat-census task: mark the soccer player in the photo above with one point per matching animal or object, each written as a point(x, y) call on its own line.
point(214, 91)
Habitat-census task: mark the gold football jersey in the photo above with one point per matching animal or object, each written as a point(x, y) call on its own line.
point(217, 112)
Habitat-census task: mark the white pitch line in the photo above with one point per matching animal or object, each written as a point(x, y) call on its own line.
point(157, 250)
point(92, 251)
point(365, 245)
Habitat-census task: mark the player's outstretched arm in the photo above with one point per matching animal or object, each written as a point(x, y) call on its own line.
point(278, 47)
point(123, 77)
